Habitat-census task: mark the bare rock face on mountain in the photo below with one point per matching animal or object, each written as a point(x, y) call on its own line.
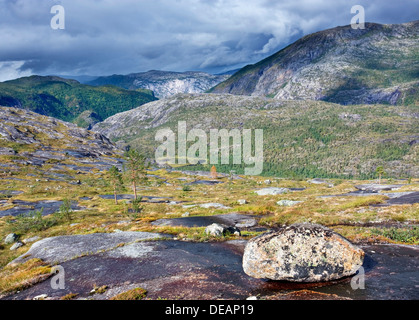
point(164, 83)
point(376, 65)
point(301, 253)
point(36, 139)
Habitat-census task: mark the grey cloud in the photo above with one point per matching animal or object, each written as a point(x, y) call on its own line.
point(106, 37)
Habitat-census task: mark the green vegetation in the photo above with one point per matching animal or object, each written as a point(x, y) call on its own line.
point(67, 99)
point(309, 139)
point(65, 212)
point(405, 235)
point(116, 180)
point(31, 221)
point(134, 294)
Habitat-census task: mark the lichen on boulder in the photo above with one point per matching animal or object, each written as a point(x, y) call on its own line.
point(301, 253)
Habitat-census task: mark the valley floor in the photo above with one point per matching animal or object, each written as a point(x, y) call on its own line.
point(177, 259)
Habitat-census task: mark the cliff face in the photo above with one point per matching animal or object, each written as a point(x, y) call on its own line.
point(379, 64)
point(163, 83)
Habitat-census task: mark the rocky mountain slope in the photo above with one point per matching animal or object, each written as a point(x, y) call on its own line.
point(67, 99)
point(379, 64)
point(164, 83)
point(27, 138)
point(301, 138)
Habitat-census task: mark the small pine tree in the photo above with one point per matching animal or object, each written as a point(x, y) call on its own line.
point(116, 181)
point(137, 169)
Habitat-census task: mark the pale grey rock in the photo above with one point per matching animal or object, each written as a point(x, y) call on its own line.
point(215, 230)
point(11, 238)
point(242, 201)
point(378, 187)
point(301, 253)
point(288, 203)
point(272, 191)
point(213, 205)
point(218, 230)
point(32, 239)
point(64, 248)
point(16, 246)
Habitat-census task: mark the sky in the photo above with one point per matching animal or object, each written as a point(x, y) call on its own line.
point(104, 37)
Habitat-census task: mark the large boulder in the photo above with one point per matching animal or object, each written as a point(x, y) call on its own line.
point(301, 253)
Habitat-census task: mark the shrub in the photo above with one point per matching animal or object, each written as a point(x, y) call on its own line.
point(30, 221)
point(65, 212)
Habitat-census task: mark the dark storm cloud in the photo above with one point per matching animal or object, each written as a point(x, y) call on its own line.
point(105, 37)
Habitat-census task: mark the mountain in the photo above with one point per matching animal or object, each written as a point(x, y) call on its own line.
point(301, 138)
point(28, 138)
point(379, 64)
point(164, 83)
point(66, 99)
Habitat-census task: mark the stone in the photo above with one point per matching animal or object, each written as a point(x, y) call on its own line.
point(317, 181)
point(65, 248)
point(271, 191)
point(213, 205)
point(215, 230)
point(186, 214)
point(246, 223)
point(11, 238)
point(378, 187)
point(218, 230)
point(41, 297)
point(287, 203)
point(242, 201)
point(32, 239)
point(16, 246)
point(301, 253)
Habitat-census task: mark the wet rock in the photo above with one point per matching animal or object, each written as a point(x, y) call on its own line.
point(64, 248)
point(378, 187)
point(301, 253)
point(11, 238)
point(287, 203)
point(246, 223)
point(271, 191)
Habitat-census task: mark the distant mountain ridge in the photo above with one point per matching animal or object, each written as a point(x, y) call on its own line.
point(163, 83)
point(379, 64)
point(67, 99)
point(301, 138)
